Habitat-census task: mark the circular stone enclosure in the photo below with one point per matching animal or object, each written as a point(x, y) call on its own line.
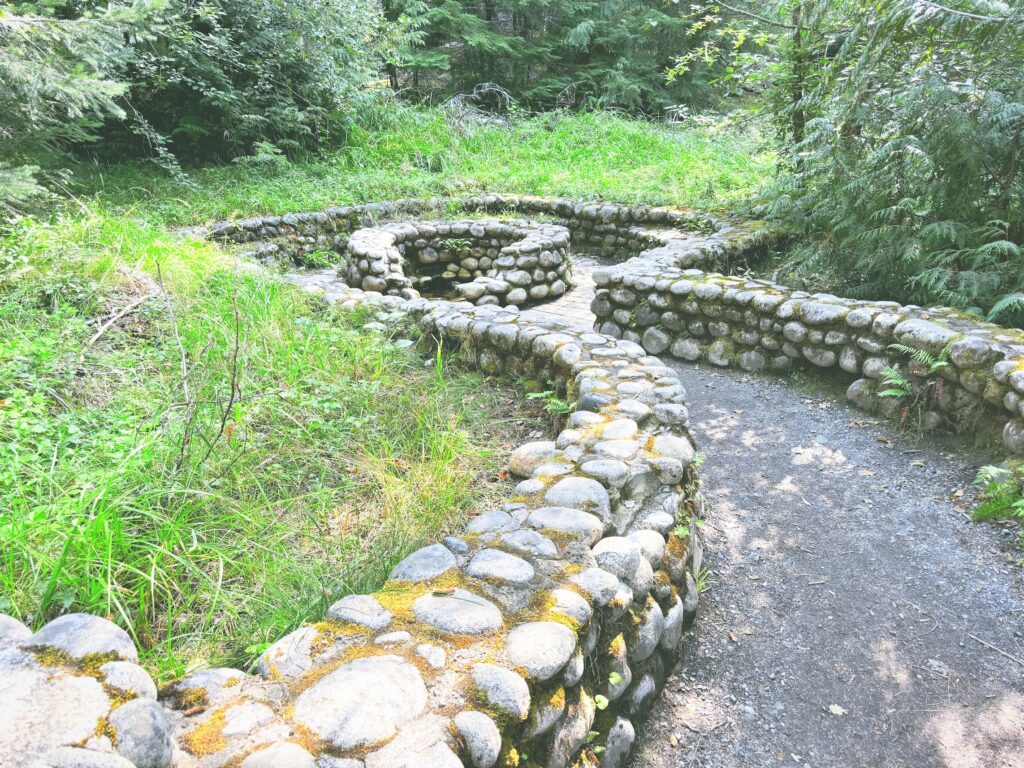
point(485, 261)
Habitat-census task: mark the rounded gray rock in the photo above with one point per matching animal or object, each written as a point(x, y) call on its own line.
point(13, 630)
point(572, 604)
point(361, 609)
point(597, 583)
point(618, 555)
point(580, 493)
point(673, 630)
point(289, 657)
point(566, 520)
point(650, 630)
point(542, 648)
point(494, 520)
point(503, 689)
point(129, 677)
point(461, 613)
point(495, 564)
point(426, 563)
point(673, 447)
point(652, 545)
point(362, 702)
point(618, 743)
point(40, 713)
point(143, 733)
point(481, 737)
point(529, 456)
point(81, 634)
point(532, 542)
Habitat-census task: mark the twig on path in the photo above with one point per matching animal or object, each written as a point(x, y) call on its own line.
point(704, 731)
point(1000, 651)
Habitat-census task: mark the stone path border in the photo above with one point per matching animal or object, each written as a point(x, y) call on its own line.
point(505, 262)
point(973, 371)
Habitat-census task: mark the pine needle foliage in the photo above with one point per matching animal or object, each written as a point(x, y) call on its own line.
point(603, 54)
point(904, 144)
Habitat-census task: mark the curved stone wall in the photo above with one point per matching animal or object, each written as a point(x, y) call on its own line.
point(757, 324)
point(537, 635)
point(608, 230)
point(508, 262)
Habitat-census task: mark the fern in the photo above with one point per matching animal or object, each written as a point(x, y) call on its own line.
point(1011, 305)
point(902, 157)
point(898, 385)
point(1002, 494)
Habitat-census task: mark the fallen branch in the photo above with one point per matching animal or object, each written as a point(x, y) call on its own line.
point(113, 319)
point(1000, 651)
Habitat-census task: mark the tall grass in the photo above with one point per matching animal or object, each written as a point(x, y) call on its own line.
point(415, 152)
point(340, 454)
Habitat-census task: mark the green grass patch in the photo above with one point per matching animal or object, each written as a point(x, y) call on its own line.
point(128, 486)
point(415, 152)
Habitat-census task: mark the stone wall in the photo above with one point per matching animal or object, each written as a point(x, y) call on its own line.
point(608, 230)
point(539, 634)
point(508, 262)
point(756, 325)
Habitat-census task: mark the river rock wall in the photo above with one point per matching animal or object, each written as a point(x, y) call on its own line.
point(609, 230)
point(536, 637)
point(971, 373)
point(498, 262)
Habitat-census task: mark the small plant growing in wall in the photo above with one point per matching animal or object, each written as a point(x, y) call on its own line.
point(455, 244)
point(1002, 494)
point(317, 259)
point(914, 392)
point(682, 531)
point(556, 407)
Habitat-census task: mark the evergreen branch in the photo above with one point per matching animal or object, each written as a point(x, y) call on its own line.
point(963, 14)
point(757, 17)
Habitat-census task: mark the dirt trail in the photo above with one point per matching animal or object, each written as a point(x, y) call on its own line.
point(845, 588)
point(849, 596)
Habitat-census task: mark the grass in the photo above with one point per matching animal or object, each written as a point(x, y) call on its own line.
point(229, 456)
point(121, 494)
point(414, 152)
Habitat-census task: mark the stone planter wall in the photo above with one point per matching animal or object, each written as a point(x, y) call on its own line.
point(756, 325)
point(509, 262)
point(548, 620)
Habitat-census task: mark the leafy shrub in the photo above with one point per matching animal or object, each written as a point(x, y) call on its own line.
point(223, 76)
point(174, 81)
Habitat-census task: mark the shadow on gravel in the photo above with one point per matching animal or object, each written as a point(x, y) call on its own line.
point(854, 616)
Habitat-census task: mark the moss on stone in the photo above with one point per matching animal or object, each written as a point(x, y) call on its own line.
point(187, 699)
point(208, 737)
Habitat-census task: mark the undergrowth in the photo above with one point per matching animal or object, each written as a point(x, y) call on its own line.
point(1002, 494)
point(409, 152)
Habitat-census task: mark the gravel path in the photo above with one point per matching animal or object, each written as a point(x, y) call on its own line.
point(847, 599)
point(850, 599)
